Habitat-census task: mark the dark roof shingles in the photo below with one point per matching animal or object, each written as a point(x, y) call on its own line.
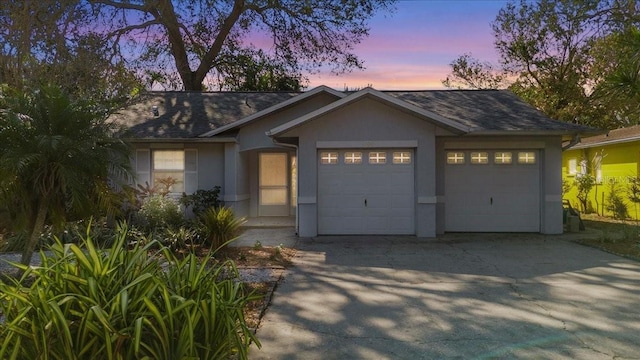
point(485, 110)
point(189, 114)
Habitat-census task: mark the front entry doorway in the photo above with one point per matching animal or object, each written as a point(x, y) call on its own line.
point(273, 183)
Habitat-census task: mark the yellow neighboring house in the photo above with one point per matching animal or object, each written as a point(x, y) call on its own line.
point(613, 160)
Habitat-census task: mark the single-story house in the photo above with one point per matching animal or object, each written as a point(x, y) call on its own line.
point(613, 159)
point(366, 162)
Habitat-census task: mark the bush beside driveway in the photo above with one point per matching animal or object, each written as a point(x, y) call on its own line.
point(460, 296)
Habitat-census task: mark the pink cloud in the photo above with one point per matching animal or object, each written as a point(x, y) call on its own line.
point(412, 48)
point(411, 77)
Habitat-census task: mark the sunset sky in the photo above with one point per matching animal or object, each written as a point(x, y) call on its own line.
point(411, 48)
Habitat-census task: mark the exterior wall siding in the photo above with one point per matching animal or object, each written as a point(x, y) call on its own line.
point(252, 136)
point(619, 164)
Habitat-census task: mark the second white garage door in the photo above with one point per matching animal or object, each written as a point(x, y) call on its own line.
point(492, 191)
point(366, 191)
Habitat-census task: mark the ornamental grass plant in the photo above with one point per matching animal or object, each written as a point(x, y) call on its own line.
point(220, 226)
point(125, 302)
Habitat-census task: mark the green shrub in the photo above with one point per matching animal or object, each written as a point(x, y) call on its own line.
point(159, 212)
point(615, 203)
point(123, 304)
point(201, 200)
point(584, 183)
point(181, 238)
point(71, 232)
point(220, 225)
point(13, 242)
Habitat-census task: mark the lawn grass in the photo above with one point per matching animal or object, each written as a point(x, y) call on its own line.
point(615, 236)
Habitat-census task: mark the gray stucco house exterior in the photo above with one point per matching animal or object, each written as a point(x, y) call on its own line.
point(367, 162)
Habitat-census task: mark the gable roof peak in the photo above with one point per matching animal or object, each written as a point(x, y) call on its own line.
point(283, 105)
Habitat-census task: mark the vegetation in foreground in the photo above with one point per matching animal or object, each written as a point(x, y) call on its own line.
point(124, 304)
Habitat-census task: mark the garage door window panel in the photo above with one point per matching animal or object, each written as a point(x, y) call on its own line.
point(455, 158)
point(402, 157)
point(479, 158)
point(377, 157)
point(329, 158)
point(353, 157)
point(526, 157)
point(502, 158)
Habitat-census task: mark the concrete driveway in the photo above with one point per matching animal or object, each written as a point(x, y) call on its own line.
point(461, 296)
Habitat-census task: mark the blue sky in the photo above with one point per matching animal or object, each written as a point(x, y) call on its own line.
point(411, 48)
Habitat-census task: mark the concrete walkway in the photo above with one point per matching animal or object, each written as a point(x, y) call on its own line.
point(461, 296)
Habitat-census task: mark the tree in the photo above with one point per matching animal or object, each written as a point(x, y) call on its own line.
point(192, 39)
point(546, 49)
point(618, 64)
point(584, 183)
point(48, 42)
point(59, 160)
point(469, 72)
point(633, 193)
point(255, 71)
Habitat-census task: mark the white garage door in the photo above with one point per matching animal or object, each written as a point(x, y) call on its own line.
point(366, 191)
point(492, 191)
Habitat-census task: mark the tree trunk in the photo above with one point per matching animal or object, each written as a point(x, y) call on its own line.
point(38, 226)
point(193, 80)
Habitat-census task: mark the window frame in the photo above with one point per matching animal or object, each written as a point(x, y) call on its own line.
point(572, 166)
point(597, 168)
point(182, 172)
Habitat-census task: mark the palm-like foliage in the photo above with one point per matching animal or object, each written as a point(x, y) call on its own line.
point(58, 160)
point(621, 86)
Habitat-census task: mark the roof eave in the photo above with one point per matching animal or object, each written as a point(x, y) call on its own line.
point(182, 140)
point(566, 134)
point(608, 142)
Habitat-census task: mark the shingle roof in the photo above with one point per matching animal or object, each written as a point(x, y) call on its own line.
point(631, 133)
point(189, 114)
point(486, 110)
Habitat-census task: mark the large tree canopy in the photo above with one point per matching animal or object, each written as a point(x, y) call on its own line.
point(51, 42)
point(179, 44)
point(195, 38)
point(548, 52)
